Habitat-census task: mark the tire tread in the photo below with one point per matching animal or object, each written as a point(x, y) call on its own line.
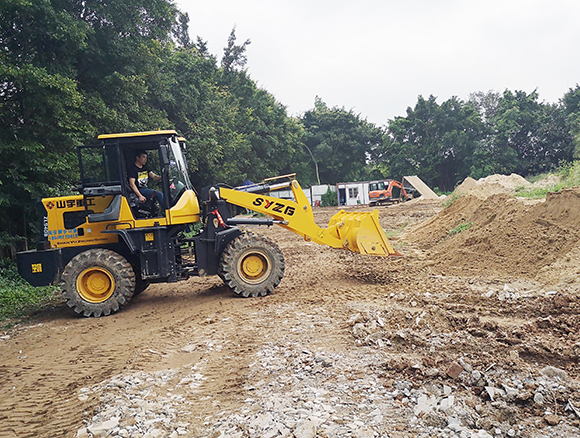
point(116, 264)
point(228, 265)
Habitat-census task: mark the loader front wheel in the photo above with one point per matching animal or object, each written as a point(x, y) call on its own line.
point(252, 265)
point(97, 282)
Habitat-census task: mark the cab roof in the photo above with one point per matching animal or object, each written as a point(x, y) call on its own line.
point(137, 134)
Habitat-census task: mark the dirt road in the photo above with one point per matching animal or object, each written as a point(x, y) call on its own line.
point(469, 334)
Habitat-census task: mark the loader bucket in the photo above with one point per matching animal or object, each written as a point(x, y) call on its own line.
point(361, 232)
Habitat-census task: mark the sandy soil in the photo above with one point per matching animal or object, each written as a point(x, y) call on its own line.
point(501, 294)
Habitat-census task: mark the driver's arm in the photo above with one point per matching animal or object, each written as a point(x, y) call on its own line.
point(136, 190)
point(154, 176)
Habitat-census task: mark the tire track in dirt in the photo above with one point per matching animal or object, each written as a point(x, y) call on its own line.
point(41, 395)
point(44, 366)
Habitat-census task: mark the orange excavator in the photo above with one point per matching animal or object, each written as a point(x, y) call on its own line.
point(381, 192)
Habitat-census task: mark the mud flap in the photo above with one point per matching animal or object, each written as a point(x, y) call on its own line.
point(361, 232)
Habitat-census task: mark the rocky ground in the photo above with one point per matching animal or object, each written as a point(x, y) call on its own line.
point(473, 333)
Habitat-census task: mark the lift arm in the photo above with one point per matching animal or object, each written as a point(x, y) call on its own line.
point(358, 232)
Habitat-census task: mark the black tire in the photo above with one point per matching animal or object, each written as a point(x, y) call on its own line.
point(252, 265)
point(97, 282)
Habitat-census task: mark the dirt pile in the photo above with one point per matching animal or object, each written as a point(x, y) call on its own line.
point(496, 184)
point(435, 229)
point(549, 181)
point(491, 185)
point(468, 196)
point(500, 234)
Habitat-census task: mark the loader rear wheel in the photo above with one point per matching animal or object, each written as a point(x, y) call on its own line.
point(252, 265)
point(97, 282)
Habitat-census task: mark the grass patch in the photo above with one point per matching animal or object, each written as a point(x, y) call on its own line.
point(463, 226)
point(535, 193)
point(395, 231)
point(570, 173)
point(17, 297)
point(570, 177)
point(390, 233)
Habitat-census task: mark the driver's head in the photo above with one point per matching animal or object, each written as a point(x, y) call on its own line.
point(140, 156)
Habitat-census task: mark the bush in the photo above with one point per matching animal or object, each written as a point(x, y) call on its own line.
point(571, 174)
point(329, 198)
point(440, 193)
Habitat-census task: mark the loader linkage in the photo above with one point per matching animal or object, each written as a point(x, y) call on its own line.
point(355, 231)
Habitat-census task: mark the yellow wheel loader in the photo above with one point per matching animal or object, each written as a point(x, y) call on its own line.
point(104, 246)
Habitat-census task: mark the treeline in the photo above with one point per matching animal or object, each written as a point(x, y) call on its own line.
point(72, 69)
point(511, 132)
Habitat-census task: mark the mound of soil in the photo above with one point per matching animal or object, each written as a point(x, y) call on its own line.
point(503, 235)
point(435, 229)
point(491, 185)
point(549, 181)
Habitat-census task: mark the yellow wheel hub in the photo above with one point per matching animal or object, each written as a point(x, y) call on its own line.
point(95, 285)
point(253, 267)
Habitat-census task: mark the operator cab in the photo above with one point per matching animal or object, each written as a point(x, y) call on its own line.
point(377, 185)
point(104, 167)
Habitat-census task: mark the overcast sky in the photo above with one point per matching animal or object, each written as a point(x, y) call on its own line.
point(376, 57)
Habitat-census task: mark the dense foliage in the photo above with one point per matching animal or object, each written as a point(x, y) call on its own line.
point(71, 69)
point(17, 297)
point(340, 142)
point(491, 133)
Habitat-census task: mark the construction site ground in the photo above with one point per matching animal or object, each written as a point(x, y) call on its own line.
point(474, 332)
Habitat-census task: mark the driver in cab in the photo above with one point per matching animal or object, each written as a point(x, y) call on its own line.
point(139, 174)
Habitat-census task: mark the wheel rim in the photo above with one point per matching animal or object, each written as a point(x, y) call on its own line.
point(254, 267)
point(95, 284)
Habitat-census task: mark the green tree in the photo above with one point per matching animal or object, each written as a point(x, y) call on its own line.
point(434, 141)
point(571, 103)
point(121, 65)
point(486, 104)
point(73, 69)
point(198, 108)
point(266, 140)
point(341, 142)
point(533, 135)
point(69, 70)
point(488, 158)
point(234, 59)
point(39, 109)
